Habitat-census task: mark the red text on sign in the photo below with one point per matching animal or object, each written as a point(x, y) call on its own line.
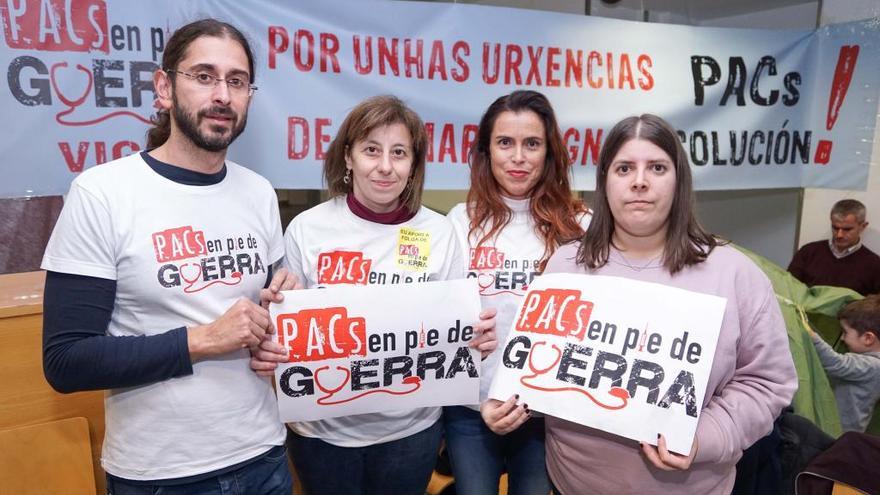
point(556, 312)
point(321, 333)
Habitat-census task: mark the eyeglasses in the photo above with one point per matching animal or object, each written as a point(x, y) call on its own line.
point(236, 84)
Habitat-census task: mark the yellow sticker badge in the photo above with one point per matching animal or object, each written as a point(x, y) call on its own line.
point(413, 249)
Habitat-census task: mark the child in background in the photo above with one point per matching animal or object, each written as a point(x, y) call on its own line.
point(856, 374)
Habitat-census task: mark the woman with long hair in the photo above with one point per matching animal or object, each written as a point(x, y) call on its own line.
point(519, 210)
point(644, 228)
point(375, 172)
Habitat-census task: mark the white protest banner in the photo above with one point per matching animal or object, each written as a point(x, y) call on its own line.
point(755, 108)
point(356, 349)
point(627, 357)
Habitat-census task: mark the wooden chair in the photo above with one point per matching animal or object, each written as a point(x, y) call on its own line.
point(53, 457)
point(842, 489)
point(26, 399)
point(440, 482)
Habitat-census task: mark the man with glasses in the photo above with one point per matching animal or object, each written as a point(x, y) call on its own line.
point(159, 272)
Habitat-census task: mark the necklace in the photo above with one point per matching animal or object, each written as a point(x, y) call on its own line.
point(638, 268)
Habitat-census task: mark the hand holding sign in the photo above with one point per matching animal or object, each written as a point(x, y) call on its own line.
point(281, 280)
point(626, 357)
point(266, 357)
point(504, 417)
point(661, 458)
point(360, 349)
point(487, 340)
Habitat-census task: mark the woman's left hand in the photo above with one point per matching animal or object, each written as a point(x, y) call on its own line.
point(485, 341)
point(663, 459)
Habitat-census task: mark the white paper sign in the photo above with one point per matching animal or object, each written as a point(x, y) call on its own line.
point(363, 349)
point(627, 357)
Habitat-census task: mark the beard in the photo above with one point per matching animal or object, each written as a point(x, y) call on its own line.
point(218, 138)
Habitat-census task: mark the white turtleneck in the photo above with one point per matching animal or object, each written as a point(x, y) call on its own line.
point(504, 267)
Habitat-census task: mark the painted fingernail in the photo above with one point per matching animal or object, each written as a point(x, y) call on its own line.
point(526, 407)
point(658, 436)
point(516, 396)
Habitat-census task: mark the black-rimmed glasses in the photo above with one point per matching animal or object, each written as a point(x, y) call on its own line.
point(236, 84)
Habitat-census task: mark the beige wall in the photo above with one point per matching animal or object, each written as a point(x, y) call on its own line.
point(443, 201)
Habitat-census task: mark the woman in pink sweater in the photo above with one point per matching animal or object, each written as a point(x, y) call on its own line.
point(644, 228)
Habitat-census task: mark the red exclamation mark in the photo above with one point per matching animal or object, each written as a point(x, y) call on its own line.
point(846, 65)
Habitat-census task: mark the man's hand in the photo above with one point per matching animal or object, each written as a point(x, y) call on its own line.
point(265, 358)
point(243, 325)
point(663, 459)
point(486, 341)
point(504, 417)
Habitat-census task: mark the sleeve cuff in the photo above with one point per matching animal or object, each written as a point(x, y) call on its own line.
point(86, 269)
point(183, 358)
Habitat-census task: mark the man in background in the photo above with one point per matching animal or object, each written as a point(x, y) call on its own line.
point(842, 260)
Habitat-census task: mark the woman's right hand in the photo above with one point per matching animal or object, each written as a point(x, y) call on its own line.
point(661, 458)
point(504, 417)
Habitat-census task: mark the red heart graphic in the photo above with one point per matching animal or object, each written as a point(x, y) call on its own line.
point(190, 272)
point(342, 380)
point(543, 357)
point(73, 84)
point(485, 280)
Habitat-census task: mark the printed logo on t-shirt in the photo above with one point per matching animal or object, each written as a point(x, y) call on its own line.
point(413, 249)
point(486, 258)
point(353, 268)
point(343, 267)
point(497, 274)
point(178, 244)
point(190, 260)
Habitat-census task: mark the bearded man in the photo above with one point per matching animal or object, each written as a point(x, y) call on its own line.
point(159, 272)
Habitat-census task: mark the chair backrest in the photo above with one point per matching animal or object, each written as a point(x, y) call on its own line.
point(53, 457)
point(842, 489)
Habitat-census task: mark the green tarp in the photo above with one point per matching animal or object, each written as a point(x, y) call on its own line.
point(820, 304)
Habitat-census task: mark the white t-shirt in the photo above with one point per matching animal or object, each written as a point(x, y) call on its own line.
point(504, 268)
point(181, 255)
point(329, 245)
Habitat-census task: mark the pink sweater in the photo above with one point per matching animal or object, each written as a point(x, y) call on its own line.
point(752, 379)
